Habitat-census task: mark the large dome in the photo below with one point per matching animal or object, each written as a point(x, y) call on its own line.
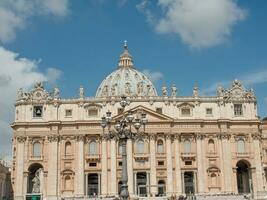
point(126, 80)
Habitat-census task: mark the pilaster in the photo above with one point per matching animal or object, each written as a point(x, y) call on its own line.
point(113, 168)
point(79, 176)
point(130, 166)
point(153, 171)
point(104, 168)
point(178, 177)
point(169, 165)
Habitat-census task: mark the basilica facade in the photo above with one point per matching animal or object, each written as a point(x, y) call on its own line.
point(190, 145)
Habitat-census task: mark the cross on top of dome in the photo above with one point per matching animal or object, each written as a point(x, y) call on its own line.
point(125, 58)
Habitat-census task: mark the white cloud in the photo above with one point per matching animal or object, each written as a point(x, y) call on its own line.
point(153, 76)
point(248, 80)
point(17, 72)
point(143, 8)
point(14, 14)
point(199, 23)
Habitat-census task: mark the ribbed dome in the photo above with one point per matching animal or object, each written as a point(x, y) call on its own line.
point(126, 80)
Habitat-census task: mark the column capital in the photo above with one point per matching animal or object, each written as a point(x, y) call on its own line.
point(168, 136)
point(53, 138)
point(200, 136)
point(177, 136)
point(79, 138)
point(256, 136)
point(21, 139)
point(152, 137)
point(222, 136)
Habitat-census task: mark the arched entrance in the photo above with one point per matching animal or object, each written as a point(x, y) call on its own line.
point(243, 177)
point(34, 178)
point(161, 188)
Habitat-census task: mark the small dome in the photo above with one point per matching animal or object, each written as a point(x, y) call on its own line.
point(126, 80)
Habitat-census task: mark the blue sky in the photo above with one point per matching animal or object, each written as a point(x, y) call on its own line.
point(185, 42)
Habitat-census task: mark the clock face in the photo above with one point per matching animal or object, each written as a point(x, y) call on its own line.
point(237, 93)
point(38, 95)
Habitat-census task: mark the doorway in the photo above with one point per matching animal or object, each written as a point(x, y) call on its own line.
point(189, 183)
point(93, 185)
point(243, 177)
point(141, 181)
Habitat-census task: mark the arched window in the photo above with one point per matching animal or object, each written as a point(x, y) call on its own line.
point(160, 146)
point(67, 182)
point(240, 146)
point(68, 148)
point(93, 147)
point(140, 146)
point(36, 149)
point(187, 146)
point(211, 146)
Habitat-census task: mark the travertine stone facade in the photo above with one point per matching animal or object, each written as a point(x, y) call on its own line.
point(195, 144)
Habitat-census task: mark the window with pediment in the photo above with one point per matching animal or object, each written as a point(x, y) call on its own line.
point(36, 149)
point(187, 146)
point(93, 148)
point(241, 146)
point(160, 146)
point(140, 146)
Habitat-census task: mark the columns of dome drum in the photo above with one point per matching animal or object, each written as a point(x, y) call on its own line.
point(130, 166)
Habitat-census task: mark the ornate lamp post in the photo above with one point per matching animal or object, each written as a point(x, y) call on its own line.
point(123, 131)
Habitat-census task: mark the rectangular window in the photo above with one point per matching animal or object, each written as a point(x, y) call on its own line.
point(159, 110)
point(160, 163)
point(209, 111)
point(238, 111)
point(186, 112)
point(93, 164)
point(188, 162)
point(68, 113)
point(37, 111)
point(120, 163)
point(92, 112)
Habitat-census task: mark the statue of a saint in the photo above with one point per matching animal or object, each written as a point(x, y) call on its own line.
point(36, 182)
point(195, 91)
point(20, 93)
point(174, 91)
point(220, 91)
point(81, 91)
point(164, 91)
point(56, 93)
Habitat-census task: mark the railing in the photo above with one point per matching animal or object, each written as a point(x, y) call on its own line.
point(92, 157)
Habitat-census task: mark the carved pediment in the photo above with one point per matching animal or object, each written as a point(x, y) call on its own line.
point(151, 115)
point(186, 105)
point(37, 94)
point(92, 105)
point(236, 93)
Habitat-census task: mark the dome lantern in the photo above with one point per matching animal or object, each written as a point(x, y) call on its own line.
point(125, 58)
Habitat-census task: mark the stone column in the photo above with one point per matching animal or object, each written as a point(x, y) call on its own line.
point(227, 162)
point(169, 165)
point(178, 176)
point(52, 176)
point(153, 171)
point(79, 175)
point(130, 166)
point(18, 192)
point(220, 151)
point(104, 168)
point(200, 165)
point(257, 157)
point(113, 168)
